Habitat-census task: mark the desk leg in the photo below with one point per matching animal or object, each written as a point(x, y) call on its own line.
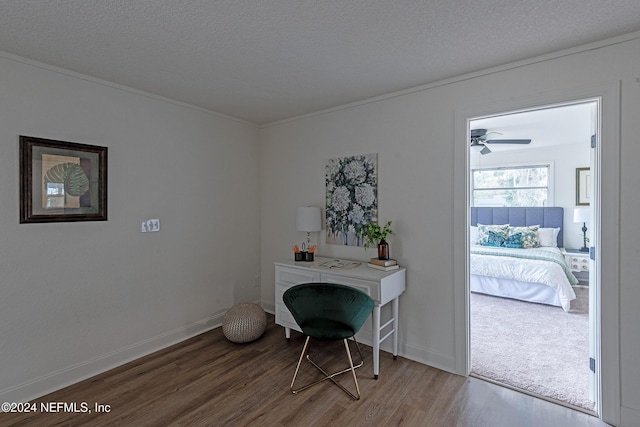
point(395, 312)
point(376, 341)
point(287, 333)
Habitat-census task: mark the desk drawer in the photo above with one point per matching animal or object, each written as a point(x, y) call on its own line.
point(370, 288)
point(291, 276)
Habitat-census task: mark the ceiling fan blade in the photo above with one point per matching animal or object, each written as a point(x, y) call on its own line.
point(478, 133)
point(485, 150)
point(507, 141)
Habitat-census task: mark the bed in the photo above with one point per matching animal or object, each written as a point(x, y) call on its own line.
point(534, 274)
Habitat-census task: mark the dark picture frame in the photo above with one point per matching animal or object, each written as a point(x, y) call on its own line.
point(583, 186)
point(62, 181)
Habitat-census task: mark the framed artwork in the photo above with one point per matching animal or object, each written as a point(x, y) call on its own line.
point(62, 181)
point(351, 197)
point(583, 186)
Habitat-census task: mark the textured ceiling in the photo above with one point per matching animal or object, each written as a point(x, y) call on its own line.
point(267, 60)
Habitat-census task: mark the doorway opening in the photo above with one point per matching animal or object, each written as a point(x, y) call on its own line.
point(519, 338)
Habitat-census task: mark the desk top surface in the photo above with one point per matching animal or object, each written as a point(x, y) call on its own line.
point(341, 267)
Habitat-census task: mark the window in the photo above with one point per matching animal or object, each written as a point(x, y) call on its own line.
point(511, 186)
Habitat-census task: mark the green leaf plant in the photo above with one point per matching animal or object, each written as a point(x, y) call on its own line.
point(372, 234)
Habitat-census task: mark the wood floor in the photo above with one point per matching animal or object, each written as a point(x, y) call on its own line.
point(207, 380)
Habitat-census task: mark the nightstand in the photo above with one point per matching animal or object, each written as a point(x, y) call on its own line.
point(578, 262)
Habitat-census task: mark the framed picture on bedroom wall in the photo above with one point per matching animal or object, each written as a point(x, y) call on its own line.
point(62, 181)
point(583, 186)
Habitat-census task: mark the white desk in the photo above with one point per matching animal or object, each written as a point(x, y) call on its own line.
point(382, 286)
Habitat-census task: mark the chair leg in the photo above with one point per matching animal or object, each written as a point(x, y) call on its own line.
point(327, 376)
point(295, 374)
point(353, 369)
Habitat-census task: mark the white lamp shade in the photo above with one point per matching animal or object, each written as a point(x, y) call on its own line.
point(309, 219)
point(581, 215)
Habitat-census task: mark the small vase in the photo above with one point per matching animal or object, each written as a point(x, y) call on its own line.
point(383, 250)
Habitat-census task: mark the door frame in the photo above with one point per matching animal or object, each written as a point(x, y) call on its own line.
point(607, 178)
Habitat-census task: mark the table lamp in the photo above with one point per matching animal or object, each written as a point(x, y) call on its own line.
point(308, 219)
point(582, 215)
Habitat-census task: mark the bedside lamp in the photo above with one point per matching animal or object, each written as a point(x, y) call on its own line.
point(308, 219)
point(582, 215)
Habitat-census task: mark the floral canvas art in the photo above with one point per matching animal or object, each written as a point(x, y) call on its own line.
point(352, 197)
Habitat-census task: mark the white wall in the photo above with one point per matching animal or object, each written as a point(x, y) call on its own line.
point(78, 298)
point(565, 159)
point(414, 136)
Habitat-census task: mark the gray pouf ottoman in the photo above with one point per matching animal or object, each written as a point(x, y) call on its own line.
point(244, 323)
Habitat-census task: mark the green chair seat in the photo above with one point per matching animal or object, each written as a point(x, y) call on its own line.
point(327, 329)
point(310, 302)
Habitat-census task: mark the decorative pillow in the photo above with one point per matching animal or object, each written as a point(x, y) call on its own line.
point(473, 235)
point(529, 235)
point(495, 239)
point(513, 241)
point(483, 232)
point(548, 237)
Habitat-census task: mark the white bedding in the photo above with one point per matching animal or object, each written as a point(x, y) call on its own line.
point(526, 270)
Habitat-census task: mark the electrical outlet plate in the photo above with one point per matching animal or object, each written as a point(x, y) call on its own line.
point(150, 225)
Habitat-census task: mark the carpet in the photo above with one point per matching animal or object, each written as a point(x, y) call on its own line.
point(534, 347)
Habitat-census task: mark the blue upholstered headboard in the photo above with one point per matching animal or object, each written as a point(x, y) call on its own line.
point(547, 217)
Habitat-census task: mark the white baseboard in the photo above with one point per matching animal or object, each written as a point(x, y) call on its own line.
point(269, 306)
point(45, 384)
point(429, 358)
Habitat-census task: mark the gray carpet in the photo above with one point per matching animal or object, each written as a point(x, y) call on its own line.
point(533, 347)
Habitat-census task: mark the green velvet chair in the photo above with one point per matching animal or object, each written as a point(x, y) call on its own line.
point(328, 312)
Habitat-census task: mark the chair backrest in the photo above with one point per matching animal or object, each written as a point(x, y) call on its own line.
point(316, 304)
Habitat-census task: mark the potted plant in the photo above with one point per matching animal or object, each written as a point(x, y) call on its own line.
point(372, 234)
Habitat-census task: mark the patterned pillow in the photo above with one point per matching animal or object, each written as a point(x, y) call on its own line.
point(529, 235)
point(513, 241)
point(483, 232)
point(495, 239)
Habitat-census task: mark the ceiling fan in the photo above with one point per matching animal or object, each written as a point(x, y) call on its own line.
point(479, 139)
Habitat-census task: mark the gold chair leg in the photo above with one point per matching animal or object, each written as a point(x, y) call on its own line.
point(353, 371)
point(295, 374)
point(327, 376)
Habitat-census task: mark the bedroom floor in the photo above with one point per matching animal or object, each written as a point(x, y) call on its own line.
point(536, 348)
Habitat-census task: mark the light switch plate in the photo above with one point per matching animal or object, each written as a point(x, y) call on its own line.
point(150, 225)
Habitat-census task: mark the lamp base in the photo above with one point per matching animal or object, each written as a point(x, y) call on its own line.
point(584, 247)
